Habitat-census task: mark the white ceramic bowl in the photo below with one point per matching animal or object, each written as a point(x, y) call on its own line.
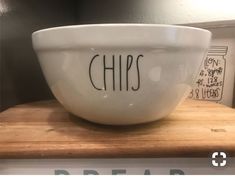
point(120, 73)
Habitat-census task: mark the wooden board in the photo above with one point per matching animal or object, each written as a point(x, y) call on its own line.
point(45, 130)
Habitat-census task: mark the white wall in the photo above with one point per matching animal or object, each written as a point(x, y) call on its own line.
point(190, 11)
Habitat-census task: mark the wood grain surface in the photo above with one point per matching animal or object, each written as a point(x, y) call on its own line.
point(45, 130)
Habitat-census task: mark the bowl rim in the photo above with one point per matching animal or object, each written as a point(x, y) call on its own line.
point(120, 35)
point(120, 25)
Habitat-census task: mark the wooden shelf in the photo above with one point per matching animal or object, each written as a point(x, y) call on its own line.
point(45, 130)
